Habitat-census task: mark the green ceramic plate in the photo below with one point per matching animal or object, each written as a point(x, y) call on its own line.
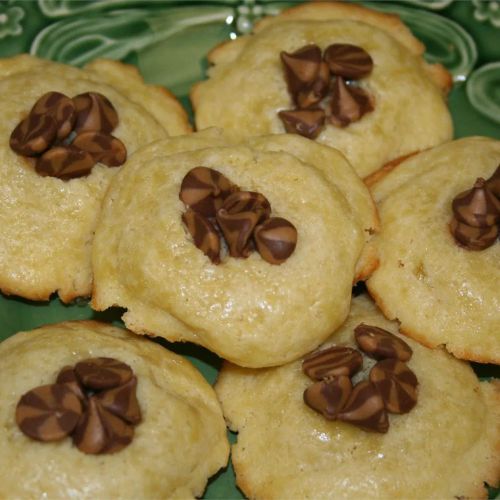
point(168, 40)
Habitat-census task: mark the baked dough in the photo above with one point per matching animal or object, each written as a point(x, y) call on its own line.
point(47, 223)
point(179, 444)
point(444, 448)
point(410, 112)
point(441, 293)
point(246, 310)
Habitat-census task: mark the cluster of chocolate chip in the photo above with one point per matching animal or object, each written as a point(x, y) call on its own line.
point(95, 402)
point(475, 224)
point(67, 137)
point(218, 211)
point(391, 386)
point(324, 88)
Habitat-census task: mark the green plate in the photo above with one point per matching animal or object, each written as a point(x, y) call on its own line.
point(168, 40)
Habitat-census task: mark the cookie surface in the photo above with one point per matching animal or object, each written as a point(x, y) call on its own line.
point(444, 448)
point(409, 113)
point(180, 442)
point(441, 293)
point(246, 310)
point(47, 223)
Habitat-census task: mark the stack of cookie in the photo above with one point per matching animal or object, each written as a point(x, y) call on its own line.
point(332, 165)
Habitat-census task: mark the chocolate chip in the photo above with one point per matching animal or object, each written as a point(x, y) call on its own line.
point(48, 412)
point(306, 122)
point(365, 408)
point(237, 218)
point(397, 385)
point(64, 162)
point(205, 236)
point(94, 112)
point(103, 148)
point(302, 67)
point(99, 431)
point(33, 135)
point(59, 107)
point(95, 402)
point(122, 401)
point(312, 94)
point(348, 104)
point(247, 201)
point(204, 190)
point(477, 207)
point(102, 373)
point(328, 396)
point(68, 377)
point(276, 239)
point(237, 213)
point(493, 182)
point(336, 360)
point(379, 343)
point(474, 238)
point(348, 61)
point(237, 230)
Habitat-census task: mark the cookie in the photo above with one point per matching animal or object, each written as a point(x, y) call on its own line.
point(48, 221)
point(259, 292)
point(376, 101)
point(444, 447)
point(148, 425)
point(443, 293)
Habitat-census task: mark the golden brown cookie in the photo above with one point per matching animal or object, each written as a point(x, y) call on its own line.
point(245, 308)
point(442, 293)
point(47, 222)
point(375, 111)
point(445, 447)
point(164, 444)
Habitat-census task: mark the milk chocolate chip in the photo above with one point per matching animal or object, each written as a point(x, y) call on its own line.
point(309, 85)
point(217, 206)
point(391, 387)
point(64, 162)
point(48, 412)
point(59, 107)
point(312, 94)
point(349, 103)
point(301, 67)
point(477, 207)
point(237, 229)
point(493, 182)
point(306, 122)
point(239, 215)
point(33, 135)
point(379, 343)
point(397, 385)
point(102, 373)
point(474, 238)
point(103, 148)
point(336, 360)
point(276, 239)
point(205, 236)
point(48, 129)
point(95, 402)
point(122, 401)
point(348, 61)
point(68, 377)
point(365, 408)
point(475, 224)
point(95, 112)
point(328, 396)
point(247, 201)
point(204, 190)
point(99, 431)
